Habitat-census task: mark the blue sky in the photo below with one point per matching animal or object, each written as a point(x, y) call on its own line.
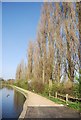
point(0, 39)
point(19, 25)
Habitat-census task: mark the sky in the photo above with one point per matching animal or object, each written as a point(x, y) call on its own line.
point(19, 26)
point(0, 39)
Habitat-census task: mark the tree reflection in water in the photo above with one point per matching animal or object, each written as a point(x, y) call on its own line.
point(18, 100)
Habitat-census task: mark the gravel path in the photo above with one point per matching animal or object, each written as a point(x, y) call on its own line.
point(37, 100)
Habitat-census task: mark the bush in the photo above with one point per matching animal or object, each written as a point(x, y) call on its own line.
point(57, 88)
point(76, 90)
point(46, 90)
point(22, 83)
point(38, 87)
point(64, 89)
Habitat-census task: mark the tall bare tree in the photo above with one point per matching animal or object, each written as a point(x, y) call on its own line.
point(78, 6)
point(30, 60)
point(70, 28)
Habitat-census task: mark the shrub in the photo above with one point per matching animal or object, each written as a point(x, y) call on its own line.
point(57, 88)
point(46, 90)
point(76, 90)
point(22, 84)
point(38, 87)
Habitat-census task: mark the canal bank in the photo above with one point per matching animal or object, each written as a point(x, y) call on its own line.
point(24, 92)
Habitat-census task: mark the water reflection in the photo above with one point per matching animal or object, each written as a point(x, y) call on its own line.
point(18, 99)
point(6, 86)
point(12, 102)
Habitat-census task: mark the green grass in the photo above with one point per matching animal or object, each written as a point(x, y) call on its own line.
point(22, 84)
point(73, 105)
point(56, 100)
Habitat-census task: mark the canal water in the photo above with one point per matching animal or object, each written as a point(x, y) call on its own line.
point(12, 102)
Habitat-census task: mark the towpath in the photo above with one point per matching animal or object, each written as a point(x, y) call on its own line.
point(41, 107)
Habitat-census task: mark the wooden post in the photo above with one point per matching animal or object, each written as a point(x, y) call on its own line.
point(50, 85)
point(55, 94)
point(66, 99)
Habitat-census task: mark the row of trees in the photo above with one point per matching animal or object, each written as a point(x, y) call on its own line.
point(55, 54)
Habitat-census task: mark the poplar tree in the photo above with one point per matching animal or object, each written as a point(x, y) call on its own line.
point(30, 60)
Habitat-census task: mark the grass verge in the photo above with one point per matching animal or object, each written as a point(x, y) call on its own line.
point(73, 105)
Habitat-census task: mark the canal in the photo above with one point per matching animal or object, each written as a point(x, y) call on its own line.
point(12, 102)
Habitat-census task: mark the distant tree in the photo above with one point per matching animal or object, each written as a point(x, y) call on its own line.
point(20, 72)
